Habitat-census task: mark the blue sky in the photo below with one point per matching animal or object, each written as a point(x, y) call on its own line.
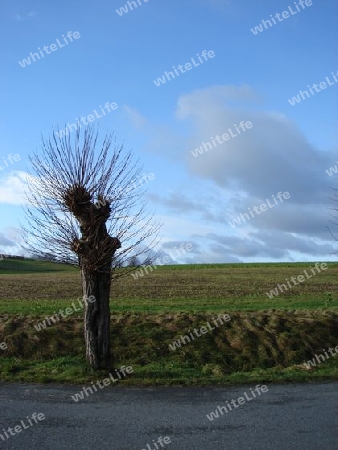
point(251, 77)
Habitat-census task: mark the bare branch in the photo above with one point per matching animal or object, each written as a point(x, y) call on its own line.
point(85, 205)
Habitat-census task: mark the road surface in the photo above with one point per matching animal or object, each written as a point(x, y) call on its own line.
point(284, 417)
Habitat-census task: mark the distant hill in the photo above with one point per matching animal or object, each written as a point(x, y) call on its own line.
point(20, 264)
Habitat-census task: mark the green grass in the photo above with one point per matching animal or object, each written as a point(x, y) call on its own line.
point(267, 339)
point(70, 370)
point(15, 266)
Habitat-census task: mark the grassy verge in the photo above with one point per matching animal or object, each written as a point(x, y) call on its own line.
point(251, 347)
point(72, 370)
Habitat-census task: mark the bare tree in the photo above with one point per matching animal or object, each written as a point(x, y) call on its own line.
point(134, 262)
point(85, 209)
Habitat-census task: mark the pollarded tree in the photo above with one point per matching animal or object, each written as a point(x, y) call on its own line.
point(85, 209)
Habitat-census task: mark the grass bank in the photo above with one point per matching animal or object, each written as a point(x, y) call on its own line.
point(262, 346)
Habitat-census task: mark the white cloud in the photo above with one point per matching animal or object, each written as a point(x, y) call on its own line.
point(10, 241)
point(273, 156)
point(12, 188)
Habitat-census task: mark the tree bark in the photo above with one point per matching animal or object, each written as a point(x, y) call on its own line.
point(96, 283)
point(95, 250)
point(97, 318)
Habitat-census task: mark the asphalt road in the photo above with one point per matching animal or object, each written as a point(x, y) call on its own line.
point(286, 417)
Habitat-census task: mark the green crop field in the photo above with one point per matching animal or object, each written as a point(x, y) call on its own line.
point(267, 339)
point(36, 288)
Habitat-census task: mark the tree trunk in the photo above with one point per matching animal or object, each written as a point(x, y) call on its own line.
point(95, 250)
point(97, 318)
